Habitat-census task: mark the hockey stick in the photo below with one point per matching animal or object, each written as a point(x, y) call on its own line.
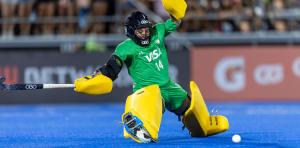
point(4, 86)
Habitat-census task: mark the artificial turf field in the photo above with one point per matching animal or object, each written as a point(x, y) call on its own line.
point(99, 125)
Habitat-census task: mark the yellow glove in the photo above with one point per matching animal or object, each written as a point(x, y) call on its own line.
point(93, 85)
point(176, 8)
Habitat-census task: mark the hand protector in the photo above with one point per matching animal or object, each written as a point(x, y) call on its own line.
point(176, 8)
point(93, 85)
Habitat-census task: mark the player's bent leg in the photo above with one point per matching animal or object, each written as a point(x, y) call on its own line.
point(183, 107)
point(197, 118)
point(143, 113)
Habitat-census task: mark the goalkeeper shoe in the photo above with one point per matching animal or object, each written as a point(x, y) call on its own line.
point(134, 127)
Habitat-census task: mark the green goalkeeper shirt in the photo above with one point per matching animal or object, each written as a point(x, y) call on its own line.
point(148, 65)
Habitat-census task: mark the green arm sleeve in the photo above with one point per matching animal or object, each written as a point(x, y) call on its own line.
point(122, 52)
point(170, 26)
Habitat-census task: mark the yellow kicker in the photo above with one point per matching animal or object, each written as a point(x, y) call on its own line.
point(197, 118)
point(175, 8)
point(146, 104)
point(93, 85)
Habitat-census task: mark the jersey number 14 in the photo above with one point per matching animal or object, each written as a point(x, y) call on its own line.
point(159, 65)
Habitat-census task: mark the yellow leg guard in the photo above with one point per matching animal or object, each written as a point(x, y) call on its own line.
point(197, 118)
point(143, 111)
point(93, 85)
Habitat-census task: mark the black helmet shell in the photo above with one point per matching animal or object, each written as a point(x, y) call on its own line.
point(135, 21)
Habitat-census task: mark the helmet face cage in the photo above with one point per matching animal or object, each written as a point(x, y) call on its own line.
point(135, 21)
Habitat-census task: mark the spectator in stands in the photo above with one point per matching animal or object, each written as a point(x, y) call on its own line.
point(226, 13)
point(278, 5)
point(237, 15)
point(83, 10)
point(279, 25)
point(275, 7)
point(99, 8)
point(24, 12)
point(259, 24)
point(45, 11)
point(225, 16)
point(244, 26)
point(124, 7)
point(293, 11)
point(8, 12)
point(194, 21)
point(66, 9)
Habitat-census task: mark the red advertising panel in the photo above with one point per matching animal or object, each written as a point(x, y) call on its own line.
point(247, 72)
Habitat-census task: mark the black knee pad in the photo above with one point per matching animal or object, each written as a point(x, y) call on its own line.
point(184, 107)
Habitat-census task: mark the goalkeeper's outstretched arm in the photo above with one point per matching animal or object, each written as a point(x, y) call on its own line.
point(112, 67)
point(101, 82)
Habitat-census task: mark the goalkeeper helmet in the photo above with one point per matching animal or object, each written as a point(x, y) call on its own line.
point(137, 28)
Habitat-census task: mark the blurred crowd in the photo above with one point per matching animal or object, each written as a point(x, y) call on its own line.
point(242, 16)
point(52, 17)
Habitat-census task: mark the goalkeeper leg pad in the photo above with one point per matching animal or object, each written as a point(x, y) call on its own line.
point(93, 85)
point(175, 8)
point(197, 118)
point(143, 113)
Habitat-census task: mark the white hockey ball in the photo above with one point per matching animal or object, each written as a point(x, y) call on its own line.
point(236, 138)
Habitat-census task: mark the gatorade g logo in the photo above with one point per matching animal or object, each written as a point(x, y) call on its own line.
point(229, 74)
point(144, 22)
point(30, 86)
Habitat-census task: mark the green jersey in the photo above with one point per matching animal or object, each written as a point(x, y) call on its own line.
point(148, 65)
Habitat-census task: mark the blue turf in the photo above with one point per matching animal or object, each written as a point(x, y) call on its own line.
point(98, 125)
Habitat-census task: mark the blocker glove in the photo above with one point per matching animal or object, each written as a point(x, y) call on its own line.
point(93, 84)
